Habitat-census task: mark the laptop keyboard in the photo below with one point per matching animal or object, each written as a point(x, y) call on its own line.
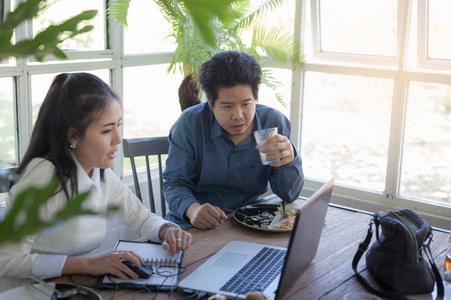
point(258, 273)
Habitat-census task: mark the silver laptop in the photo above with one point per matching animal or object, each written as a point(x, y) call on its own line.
point(223, 273)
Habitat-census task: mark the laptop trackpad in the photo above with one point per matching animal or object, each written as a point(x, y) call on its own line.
point(230, 259)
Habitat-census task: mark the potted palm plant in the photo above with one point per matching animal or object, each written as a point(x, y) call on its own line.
point(193, 47)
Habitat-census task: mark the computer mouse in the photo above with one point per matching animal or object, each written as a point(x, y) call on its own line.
point(143, 271)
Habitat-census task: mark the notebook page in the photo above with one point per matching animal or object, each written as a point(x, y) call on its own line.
point(153, 254)
point(163, 276)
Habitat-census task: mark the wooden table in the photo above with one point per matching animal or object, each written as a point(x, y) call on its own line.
point(329, 276)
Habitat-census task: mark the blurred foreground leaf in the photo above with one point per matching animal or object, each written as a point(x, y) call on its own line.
point(202, 12)
point(23, 217)
point(46, 41)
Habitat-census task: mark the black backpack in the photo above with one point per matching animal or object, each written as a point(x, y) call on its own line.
point(397, 258)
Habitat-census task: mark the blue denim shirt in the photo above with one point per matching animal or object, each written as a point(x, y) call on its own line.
point(205, 166)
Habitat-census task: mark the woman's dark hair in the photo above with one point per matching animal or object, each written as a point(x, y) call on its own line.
point(229, 69)
point(74, 100)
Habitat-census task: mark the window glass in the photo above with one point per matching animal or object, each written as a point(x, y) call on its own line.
point(8, 156)
point(439, 33)
point(147, 29)
point(11, 60)
point(345, 129)
point(40, 84)
point(359, 26)
point(427, 145)
point(268, 95)
point(151, 103)
point(58, 11)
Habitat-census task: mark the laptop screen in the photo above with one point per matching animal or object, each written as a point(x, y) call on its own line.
point(305, 238)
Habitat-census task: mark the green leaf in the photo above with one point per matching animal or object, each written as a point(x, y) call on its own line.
point(23, 218)
point(45, 42)
point(204, 11)
point(118, 10)
point(24, 11)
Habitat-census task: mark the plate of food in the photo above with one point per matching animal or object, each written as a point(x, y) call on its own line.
point(266, 217)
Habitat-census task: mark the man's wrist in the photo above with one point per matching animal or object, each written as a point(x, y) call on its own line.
point(191, 208)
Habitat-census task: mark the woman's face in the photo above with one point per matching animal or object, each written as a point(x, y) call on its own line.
point(99, 145)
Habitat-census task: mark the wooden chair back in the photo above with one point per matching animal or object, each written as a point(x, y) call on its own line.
point(147, 147)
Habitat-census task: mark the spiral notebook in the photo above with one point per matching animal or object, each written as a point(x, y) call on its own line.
point(166, 268)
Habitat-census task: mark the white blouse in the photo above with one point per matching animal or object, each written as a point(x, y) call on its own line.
point(43, 254)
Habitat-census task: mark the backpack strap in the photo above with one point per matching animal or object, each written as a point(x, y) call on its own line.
point(438, 278)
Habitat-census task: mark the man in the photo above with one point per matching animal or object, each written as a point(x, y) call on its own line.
point(213, 161)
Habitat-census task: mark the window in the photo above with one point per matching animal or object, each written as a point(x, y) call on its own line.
point(355, 31)
point(151, 105)
point(57, 11)
point(426, 153)
point(358, 27)
point(7, 121)
point(40, 84)
point(433, 33)
point(371, 105)
point(277, 96)
point(373, 115)
point(147, 29)
point(346, 126)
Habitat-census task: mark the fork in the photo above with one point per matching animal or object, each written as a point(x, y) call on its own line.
point(284, 215)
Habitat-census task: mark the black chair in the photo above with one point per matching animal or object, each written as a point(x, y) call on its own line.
point(7, 177)
point(146, 147)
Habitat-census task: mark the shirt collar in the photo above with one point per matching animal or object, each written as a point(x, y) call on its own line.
point(84, 181)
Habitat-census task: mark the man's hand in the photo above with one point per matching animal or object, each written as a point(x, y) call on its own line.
point(205, 216)
point(281, 143)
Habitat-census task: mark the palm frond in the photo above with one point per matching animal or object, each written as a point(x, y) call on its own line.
point(280, 47)
point(241, 7)
point(264, 8)
point(270, 81)
point(118, 10)
point(173, 11)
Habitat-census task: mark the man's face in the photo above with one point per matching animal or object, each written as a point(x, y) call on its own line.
point(235, 110)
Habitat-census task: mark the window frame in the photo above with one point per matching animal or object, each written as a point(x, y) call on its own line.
point(380, 67)
point(115, 61)
point(321, 55)
point(423, 59)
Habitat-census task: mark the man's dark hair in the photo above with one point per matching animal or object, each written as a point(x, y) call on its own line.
point(229, 69)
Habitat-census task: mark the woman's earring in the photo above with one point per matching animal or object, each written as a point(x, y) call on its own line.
point(73, 146)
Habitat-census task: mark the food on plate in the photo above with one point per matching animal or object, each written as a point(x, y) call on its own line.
point(266, 217)
point(280, 222)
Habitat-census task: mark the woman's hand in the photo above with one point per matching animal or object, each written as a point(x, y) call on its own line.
point(175, 239)
point(106, 264)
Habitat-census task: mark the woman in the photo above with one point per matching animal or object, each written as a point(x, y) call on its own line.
point(75, 138)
